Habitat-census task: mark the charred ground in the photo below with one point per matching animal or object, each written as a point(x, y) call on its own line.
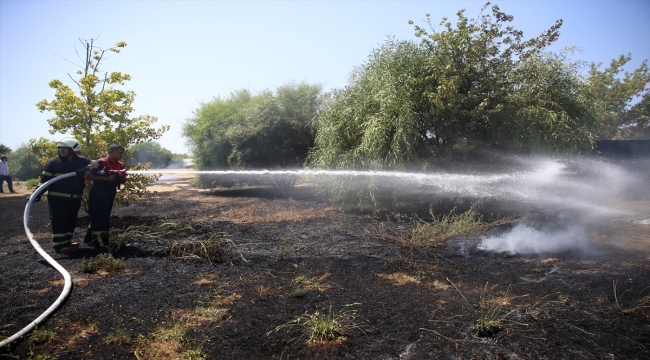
point(295, 255)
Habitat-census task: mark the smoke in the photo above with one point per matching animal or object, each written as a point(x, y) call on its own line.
point(526, 240)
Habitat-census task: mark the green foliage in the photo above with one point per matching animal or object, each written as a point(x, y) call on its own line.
point(324, 326)
point(150, 152)
point(245, 131)
point(32, 183)
point(119, 336)
point(4, 150)
point(99, 115)
point(379, 119)
point(39, 336)
point(24, 164)
point(618, 116)
point(473, 83)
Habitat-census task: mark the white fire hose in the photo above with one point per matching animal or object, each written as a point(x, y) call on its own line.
point(67, 287)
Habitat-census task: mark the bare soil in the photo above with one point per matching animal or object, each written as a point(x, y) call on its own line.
point(402, 302)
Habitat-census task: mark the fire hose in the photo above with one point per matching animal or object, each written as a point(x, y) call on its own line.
point(67, 287)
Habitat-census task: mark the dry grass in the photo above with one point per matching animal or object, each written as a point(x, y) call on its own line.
point(102, 263)
point(446, 227)
point(216, 249)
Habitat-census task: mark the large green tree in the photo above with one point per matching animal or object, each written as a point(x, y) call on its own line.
point(25, 164)
point(98, 113)
point(619, 112)
point(245, 131)
point(473, 83)
point(207, 131)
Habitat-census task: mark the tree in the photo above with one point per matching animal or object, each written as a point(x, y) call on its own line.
point(99, 114)
point(618, 117)
point(457, 90)
point(25, 164)
point(380, 119)
point(4, 150)
point(245, 131)
point(276, 129)
point(150, 152)
point(208, 130)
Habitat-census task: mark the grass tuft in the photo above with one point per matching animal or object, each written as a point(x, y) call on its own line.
point(216, 249)
point(42, 336)
point(448, 226)
point(119, 336)
point(102, 262)
point(323, 326)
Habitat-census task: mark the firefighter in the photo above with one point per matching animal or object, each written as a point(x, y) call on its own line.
point(64, 196)
point(107, 174)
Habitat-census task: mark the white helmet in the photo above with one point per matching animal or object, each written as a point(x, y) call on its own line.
point(69, 142)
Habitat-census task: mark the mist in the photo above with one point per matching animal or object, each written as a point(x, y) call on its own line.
point(559, 198)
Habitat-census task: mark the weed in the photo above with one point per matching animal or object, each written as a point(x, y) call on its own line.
point(102, 262)
point(215, 249)
point(643, 302)
point(4, 332)
point(285, 245)
point(446, 227)
point(42, 336)
point(320, 326)
point(163, 343)
point(210, 312)
point(119, 336)
point(32, 183)
point(153, 232)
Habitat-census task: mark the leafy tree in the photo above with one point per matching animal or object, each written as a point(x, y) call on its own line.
point(99, 114)
point(245, 131)
point(472, 84)
point(25, 164)
point(4, 150)
point(618, 117)
point(150, 152)
point(380, 119)
point(276, 131)
point(208, 130)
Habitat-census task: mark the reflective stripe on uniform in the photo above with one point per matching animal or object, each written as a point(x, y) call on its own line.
point(59, 235)
point(56, 243)
point(56, 193)
point(47, 173)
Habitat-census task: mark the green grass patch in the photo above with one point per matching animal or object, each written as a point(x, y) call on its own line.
point(42, 336)
point(119, 336)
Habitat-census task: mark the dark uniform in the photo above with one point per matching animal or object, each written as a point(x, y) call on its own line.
point(100, 202)
point(64, 196)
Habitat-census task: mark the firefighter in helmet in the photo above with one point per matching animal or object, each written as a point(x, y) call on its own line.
point(64, 196)
point(107, 174)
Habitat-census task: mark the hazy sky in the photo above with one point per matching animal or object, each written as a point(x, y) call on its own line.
point(180, 54)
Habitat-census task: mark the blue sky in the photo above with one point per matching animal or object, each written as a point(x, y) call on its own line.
point(180, 54)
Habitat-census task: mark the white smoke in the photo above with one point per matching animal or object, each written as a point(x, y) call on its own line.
point(526, 240)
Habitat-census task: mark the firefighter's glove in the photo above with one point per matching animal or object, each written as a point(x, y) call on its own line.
point(36, 199)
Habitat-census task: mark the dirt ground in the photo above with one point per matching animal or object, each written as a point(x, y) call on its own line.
point(298, 255)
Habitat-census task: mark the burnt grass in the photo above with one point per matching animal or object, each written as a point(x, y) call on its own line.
point(402, 301)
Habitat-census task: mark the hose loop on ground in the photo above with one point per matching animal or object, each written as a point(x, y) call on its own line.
point(67, 287)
